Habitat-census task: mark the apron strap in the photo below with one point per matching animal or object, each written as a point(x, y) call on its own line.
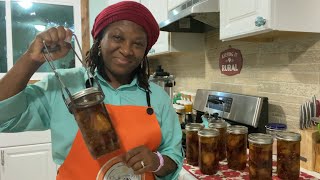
point(149, 109)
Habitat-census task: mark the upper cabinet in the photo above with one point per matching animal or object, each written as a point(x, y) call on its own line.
point(240, 19)
point(174, 3)
point(159, 11)
point(169, 42)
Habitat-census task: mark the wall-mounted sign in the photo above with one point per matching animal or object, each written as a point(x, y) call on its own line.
point(230, 62)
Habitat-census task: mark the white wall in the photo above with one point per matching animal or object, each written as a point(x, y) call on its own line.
point(95, 7)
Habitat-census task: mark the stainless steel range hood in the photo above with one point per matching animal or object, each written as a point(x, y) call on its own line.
point(196, 16)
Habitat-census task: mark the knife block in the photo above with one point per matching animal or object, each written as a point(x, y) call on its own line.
point(317, 163)
point(310, 139)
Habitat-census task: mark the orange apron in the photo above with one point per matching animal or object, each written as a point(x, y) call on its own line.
point(134, 127)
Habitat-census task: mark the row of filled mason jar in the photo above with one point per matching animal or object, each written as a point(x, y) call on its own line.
point(205, 147)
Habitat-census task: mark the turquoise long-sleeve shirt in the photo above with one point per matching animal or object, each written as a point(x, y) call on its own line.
point(40, 107)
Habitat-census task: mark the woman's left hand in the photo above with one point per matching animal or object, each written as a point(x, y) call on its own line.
point(141, 159)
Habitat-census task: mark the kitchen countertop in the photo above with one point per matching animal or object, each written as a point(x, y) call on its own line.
point(189, 172)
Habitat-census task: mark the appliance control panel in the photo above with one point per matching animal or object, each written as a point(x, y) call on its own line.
point(219, 103)
point(241, 108)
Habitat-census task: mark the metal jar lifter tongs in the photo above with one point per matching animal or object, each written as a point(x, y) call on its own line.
point(46, 51)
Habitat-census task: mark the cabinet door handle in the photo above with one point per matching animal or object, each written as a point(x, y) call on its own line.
point(2, 157)
point(260, 21)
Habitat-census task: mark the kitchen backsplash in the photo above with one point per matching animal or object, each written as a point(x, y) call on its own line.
point(286, 70)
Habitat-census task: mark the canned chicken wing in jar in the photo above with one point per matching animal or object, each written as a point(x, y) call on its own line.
point(237, 147)
point(260, 156)
point(220, 125)
point(288, 157)
point(192, 142)
point(208, 150)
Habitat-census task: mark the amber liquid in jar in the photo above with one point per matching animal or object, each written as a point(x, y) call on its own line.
point(97, 130)
point(192, 143)
point(220, 125)
point(208, 151)
point(260, 156)
point(237, 147)
point(288, 157)
point(93, 121)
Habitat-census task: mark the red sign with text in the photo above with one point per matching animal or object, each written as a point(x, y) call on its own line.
point(230, 62)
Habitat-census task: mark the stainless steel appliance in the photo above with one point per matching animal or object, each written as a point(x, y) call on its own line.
point(196, 16)
point(164, 79)
point(251, 111)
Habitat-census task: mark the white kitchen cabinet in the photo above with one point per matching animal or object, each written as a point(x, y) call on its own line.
point(171, 42)
point(239, 19)
point(26, 156)
point(110, 2)
point(32, 162)
point(159, 11)
point(174, 3)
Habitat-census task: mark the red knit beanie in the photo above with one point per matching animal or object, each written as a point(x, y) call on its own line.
point(131, 11)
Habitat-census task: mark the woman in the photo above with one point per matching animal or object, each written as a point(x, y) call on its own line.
point(123, 34)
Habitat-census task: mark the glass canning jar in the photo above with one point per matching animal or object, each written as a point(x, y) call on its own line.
point(236, 143)
point(208, 150)
point(94, 122)
point(273, 129)
point(260, 156)
point(288, 157)
point(192, 142)
point(220, 125)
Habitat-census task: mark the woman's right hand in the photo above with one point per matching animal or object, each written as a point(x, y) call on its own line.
point(52, 37)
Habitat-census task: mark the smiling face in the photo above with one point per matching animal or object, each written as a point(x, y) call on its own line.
point(123, 47)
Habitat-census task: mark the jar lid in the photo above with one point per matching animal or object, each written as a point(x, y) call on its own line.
point(208, 132)
point(178, 107)
point(260, 138)
point(288, 136)
point(179, 101)
point(86, 102)
point(237, 129)
point(276, 126)
point(217, 124)
point(187, 103)
point(194, 126)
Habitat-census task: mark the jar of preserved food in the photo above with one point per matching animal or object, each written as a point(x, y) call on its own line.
point(273, 129)
point(260, 156)
point(208, 150)
point(94, 122)
point(221, 125)
point(236, 144)
point(188, 106)
point(288, 158)
point(192, 142)
point(180, 110)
